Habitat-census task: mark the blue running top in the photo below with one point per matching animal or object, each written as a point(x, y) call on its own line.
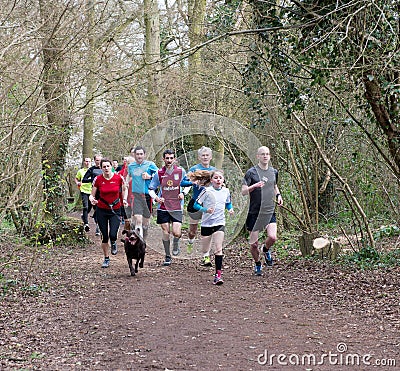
point(135, 171)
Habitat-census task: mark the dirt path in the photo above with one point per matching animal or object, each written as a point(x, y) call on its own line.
point(71, 314)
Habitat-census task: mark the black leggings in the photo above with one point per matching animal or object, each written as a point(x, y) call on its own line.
point(105, 218)
point(86, 207)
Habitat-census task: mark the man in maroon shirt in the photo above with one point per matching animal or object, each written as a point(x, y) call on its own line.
point(170, 202)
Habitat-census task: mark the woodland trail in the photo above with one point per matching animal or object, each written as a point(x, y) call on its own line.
point(73, 315)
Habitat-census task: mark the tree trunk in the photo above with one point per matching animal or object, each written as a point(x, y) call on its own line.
point(55, 146)
point(88, 119)
point(197, 12)
point(387, 119)
point(218, 154)
point(152, 57)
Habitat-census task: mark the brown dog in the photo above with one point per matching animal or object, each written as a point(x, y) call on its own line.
point(135, 248)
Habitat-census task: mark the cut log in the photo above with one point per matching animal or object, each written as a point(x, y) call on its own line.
point(311, 244)
point(321, 243)
point(325, 248)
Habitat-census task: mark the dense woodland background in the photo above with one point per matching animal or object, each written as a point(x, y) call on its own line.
point(316, 81)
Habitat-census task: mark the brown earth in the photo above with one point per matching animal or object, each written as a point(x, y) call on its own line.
point(61, 311)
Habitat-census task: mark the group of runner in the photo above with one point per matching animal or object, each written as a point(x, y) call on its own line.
point(129, 193)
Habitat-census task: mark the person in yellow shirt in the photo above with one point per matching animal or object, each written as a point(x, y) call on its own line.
point(85, 190)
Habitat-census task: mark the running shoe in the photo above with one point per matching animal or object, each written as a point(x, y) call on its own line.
point(106, 263)
point(86, 227)
point(206, 262)
point(218, 280)
point(176, 251)
point(114, 248)
point(97, 230)
point(167, 261)
point(189, 248)
point(268, 258)
point(258, 270)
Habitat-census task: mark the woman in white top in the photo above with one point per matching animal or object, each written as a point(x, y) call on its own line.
point(213, 201)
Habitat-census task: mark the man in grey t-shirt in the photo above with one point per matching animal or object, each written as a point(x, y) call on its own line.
point(260, 183)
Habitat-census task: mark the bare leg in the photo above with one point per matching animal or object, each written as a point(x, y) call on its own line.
point(139, 224)
point(218, 238)
point(205, 243)
point(105, 246)
point(176, 232)
point(253, 240)
point(193, 225)
point(146, 223)
point(272, 235)
point(176, 229)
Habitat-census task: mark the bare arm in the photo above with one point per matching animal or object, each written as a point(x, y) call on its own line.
point(78, 179)
point(126, 187)
point(154, 196)
point(278, 196)
point(92, 197)
point(124, 193)
point(248, 189)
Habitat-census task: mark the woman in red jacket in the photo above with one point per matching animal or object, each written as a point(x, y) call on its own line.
point(107, 194)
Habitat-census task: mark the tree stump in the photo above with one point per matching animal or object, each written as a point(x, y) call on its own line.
point(326, 249)
point(67, 231)
point(312, 245)
point(306, 243)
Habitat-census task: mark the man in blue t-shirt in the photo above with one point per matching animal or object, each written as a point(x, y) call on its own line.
point(140, 173)
point(205, 157)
